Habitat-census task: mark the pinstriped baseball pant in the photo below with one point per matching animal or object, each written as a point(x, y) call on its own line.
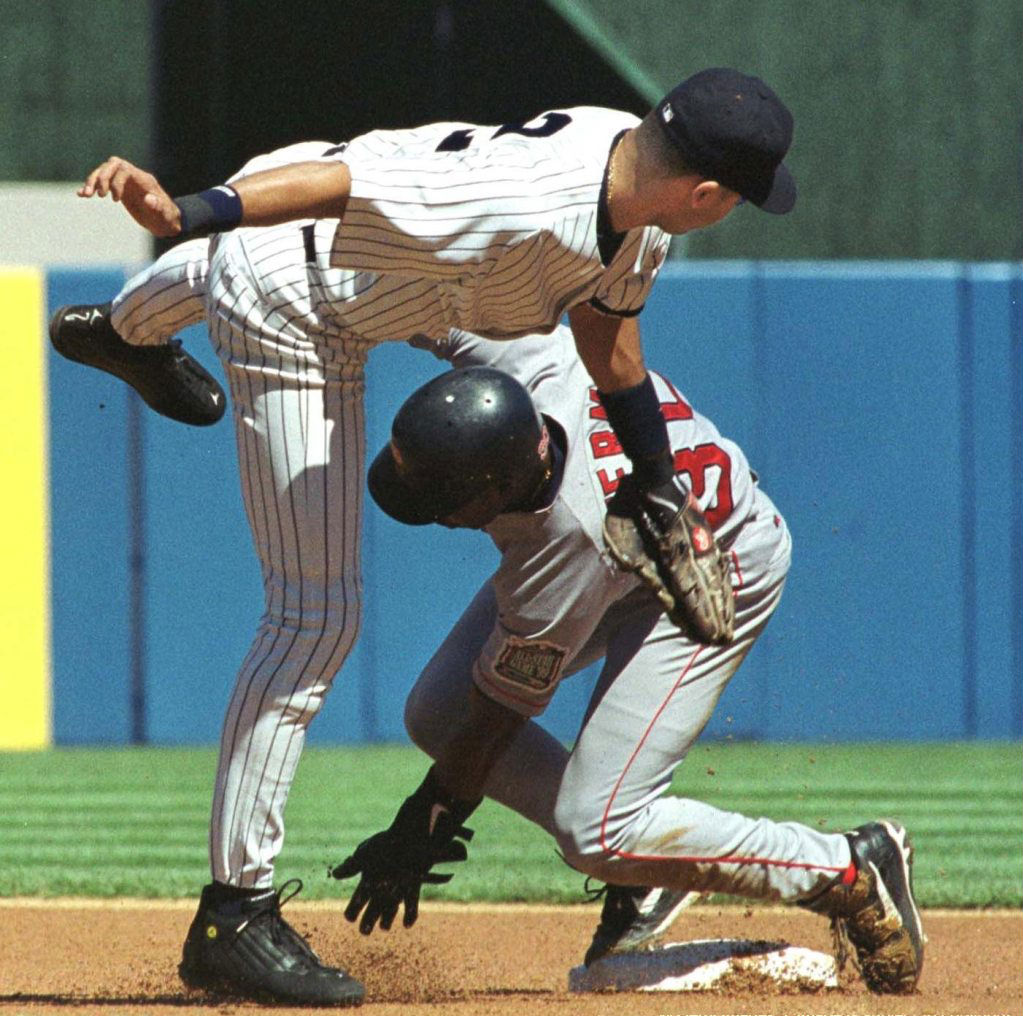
point(299, 425)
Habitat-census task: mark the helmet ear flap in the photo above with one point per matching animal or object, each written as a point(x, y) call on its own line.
point(534, 474)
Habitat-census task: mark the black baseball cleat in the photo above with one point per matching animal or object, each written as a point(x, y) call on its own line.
point(245, 949)
point(168, 379)
point(876, 912)
point(632, 917)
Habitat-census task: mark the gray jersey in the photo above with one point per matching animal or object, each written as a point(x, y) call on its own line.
point(556, 604)
point(556, 579)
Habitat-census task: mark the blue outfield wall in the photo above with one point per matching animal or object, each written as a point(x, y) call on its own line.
point(880, 403)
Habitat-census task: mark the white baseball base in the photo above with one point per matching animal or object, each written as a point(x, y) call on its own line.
point(701, 965)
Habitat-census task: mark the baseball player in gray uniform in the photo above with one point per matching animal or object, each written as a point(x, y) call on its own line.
point(532, 461)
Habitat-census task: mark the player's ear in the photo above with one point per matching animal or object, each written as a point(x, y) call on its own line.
point(707, 193)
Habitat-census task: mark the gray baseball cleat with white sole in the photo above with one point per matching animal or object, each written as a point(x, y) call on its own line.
point(633, 917)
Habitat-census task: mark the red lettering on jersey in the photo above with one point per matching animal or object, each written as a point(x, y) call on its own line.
point(608, 484)
point(675, 409)
point(695, 462)
point(604, 443)
point(597, 411)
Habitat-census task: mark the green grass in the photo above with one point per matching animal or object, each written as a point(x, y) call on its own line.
point(110, 822)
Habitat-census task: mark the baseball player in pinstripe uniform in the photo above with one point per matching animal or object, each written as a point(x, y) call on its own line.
point(525, 452)
point(503, 229)
point(318, 252)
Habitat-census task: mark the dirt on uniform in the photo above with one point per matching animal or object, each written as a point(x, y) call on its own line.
point(115, 957)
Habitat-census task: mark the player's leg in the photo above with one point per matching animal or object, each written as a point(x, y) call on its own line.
point(299, 424)
point(131, 337)
point(640, 668)
point(301, 448)
point(164, 298)
point(616, 822)
point(652, 702)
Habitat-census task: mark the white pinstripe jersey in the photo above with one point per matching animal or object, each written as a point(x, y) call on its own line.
point(497, 230)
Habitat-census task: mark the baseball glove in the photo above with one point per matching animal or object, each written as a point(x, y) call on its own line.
point(395, 864)
point(662, 535)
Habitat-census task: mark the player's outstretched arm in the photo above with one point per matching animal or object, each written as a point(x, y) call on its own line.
point(393, 865)
point(477, 740)
point(303, 190)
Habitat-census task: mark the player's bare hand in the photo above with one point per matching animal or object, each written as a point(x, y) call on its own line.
point(140, 193)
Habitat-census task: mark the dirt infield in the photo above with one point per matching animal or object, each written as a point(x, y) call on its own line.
point(118, 957)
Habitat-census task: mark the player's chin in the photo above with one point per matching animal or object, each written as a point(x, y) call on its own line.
point(676, 225)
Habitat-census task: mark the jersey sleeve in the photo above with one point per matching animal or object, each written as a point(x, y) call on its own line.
point(627, 280)
point(303, 151)
point(552, 588)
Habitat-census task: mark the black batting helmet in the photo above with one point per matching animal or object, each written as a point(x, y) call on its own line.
point(469, 441)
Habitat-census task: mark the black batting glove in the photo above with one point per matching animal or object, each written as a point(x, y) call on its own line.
point(395, 864)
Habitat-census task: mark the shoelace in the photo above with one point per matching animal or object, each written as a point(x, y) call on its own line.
point(845, 954)
point(282, 932)
point(619, 906)
point(594, 894)
point(299, 886)
point(274, 913)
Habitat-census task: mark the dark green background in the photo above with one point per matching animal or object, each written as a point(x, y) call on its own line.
point(908, 112)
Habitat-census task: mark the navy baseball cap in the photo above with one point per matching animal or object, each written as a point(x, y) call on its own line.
point(732, 128)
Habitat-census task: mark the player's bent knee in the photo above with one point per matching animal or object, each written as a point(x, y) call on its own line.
point(591, 860)
point(592, 841)
point(425, 725)
point(417, 725)
point(577, 831)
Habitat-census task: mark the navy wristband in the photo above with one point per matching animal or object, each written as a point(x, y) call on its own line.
point(216, 210)
point(635, 417)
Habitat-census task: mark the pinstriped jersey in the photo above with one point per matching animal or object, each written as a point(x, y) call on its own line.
point(555, 580)
point(508, 222)
point(497, 230)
